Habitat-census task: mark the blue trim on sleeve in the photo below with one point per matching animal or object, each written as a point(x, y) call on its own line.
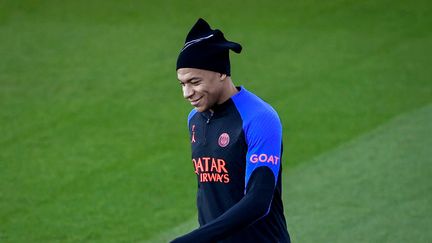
point(191, 114)
point(263, 132)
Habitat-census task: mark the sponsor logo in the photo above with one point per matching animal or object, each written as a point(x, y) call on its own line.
point(211, 169)
point(264, 158)
point(223, 140)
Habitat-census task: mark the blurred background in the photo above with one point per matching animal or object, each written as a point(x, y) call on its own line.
point(93, 126)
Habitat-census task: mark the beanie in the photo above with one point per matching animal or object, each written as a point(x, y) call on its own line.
point(207, 49)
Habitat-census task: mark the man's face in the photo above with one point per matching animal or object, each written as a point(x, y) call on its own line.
point(202, 88)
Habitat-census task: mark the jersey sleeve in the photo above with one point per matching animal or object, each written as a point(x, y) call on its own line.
point(249, 209)
point(264, 139)
point(191, 114)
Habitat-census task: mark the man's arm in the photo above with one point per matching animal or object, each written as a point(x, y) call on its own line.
point(254, 205)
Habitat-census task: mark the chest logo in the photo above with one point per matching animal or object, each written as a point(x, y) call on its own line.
point(193, 134)
point(223, 140)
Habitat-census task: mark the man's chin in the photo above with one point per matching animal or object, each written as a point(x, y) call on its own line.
point(200, 108)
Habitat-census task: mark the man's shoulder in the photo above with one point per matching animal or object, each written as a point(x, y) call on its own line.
point(191, 114)
point(251, 107)
point(260, 120)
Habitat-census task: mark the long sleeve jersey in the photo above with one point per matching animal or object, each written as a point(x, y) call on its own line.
point(236, 154)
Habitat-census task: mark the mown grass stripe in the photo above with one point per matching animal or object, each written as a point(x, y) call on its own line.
point(375, 188)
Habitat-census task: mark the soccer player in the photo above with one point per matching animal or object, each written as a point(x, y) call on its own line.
point(236, 141)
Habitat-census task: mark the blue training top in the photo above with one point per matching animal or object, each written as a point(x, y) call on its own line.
point(236, 154)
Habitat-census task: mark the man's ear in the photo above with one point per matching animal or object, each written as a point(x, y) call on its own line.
point(222, 76)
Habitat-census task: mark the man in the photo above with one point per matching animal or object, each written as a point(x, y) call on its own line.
point(236, 141)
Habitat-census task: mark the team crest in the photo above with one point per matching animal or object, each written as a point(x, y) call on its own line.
point(223, 140)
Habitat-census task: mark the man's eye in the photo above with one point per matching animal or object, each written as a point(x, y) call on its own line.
point(195, 83)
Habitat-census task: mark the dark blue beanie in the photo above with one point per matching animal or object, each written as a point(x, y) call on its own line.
point(207, 49)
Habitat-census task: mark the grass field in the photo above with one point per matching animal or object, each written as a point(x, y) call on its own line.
point(94, 146)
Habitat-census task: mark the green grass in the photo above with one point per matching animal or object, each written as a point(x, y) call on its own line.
point(93, 143)
point(372, 189)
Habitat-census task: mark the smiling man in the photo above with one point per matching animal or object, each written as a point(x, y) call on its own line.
point(236, 141)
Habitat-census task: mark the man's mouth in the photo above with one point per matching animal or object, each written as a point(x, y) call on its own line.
point(196, 101)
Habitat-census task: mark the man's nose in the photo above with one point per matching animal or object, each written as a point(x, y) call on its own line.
point(187, 91)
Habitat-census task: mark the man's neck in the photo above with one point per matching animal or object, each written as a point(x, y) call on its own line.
point(230, 90)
